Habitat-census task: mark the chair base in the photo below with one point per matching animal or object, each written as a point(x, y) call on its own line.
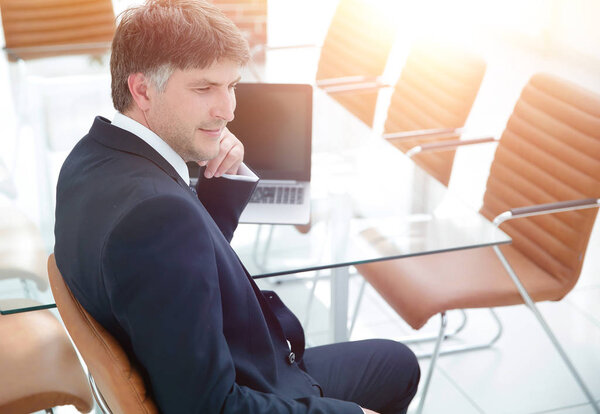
point(464, 348)
point(437, 351)
point(531, 305)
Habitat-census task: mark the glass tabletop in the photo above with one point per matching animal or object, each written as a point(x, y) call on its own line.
point(369, 202)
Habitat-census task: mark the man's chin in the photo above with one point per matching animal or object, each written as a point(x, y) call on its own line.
point(203, 158)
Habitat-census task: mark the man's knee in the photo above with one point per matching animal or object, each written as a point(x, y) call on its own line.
point(399, 356)
point(401, 365)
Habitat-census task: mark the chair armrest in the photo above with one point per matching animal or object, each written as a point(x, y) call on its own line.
point(264, 47)
point(423, 133)
point(354, 87)
point(447, 145)
point(548, 208)
point(344, 80)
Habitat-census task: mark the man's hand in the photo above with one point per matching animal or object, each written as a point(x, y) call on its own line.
point(229, 159)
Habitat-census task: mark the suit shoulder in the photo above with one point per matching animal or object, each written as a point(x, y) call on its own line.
point(169, 206)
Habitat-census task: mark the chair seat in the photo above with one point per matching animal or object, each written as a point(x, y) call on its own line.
point(423, 286)
point(40, 368)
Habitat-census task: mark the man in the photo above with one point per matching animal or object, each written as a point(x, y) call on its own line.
point(150, 258)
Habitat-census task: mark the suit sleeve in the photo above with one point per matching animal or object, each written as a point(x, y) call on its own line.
point(160, 274)
point(224, 200)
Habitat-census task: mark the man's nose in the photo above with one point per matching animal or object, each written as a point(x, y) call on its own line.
point(224, 106)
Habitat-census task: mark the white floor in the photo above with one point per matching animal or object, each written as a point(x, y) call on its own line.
point(520, 374)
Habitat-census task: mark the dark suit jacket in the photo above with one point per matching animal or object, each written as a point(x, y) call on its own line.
point(154, 266)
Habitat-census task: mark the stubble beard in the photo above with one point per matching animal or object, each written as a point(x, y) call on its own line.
point(185, 142)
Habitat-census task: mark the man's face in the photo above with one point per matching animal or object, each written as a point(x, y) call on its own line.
point(194, 108)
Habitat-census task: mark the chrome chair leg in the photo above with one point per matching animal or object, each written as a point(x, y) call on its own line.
point(26, 289)
point(411, 339)
point(357, 307)
point(98, 396)
point(311, 296)
point(256, 243)
point(531, 305)
point(466, 348)
point(261, 261)
point(434, 357)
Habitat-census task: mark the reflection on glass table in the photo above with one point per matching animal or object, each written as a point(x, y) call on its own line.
point(365, 207)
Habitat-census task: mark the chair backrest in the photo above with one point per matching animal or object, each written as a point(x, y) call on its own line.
point(35, 23)
point(120, 383)
point(549, 152)
point(436, 89)
point(357, 43)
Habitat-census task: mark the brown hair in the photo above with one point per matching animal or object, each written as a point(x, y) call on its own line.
point(163, 35)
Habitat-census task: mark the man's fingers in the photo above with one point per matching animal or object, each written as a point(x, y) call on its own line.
point(213, 165)
point(231, 163)
point(229, 159)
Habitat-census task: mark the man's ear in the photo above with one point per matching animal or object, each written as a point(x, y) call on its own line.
point(139, 86)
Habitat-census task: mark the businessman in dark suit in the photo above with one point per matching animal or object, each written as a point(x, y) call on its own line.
point(149, 257)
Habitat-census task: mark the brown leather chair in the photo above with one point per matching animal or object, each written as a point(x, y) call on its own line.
point(117, 384)
point(42, 28)
point(354, 55)
point(39, 367)
point(432, 100)
point(548, 155)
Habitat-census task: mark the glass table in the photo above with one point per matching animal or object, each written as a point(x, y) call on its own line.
point(369, 202)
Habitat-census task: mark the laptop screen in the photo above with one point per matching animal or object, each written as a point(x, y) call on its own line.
point(274, 122)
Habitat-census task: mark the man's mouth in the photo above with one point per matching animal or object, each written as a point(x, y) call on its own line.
point(216, 132)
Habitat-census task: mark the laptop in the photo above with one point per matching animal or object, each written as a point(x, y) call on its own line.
point(274, 122)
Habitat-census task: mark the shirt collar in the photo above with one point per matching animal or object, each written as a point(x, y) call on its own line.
point(156, 142)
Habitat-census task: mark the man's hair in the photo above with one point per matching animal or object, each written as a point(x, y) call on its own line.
point(164, 35)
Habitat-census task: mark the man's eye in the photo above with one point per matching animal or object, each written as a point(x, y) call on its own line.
point(205, 89)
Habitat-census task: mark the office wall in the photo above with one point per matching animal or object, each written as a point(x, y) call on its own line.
point(249, 15)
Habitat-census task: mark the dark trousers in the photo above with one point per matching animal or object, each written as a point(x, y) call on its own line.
point(378, 374)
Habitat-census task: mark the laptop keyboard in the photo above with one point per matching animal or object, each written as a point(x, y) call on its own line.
point(278, 195)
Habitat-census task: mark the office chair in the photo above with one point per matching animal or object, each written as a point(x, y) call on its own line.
point(354, 56)
point(34, 30)
point(117, 385)
point(40, 368)
point(546, 173)
point(431, 102)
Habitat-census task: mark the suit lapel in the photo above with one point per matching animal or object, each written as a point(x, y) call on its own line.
point(118, 139)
